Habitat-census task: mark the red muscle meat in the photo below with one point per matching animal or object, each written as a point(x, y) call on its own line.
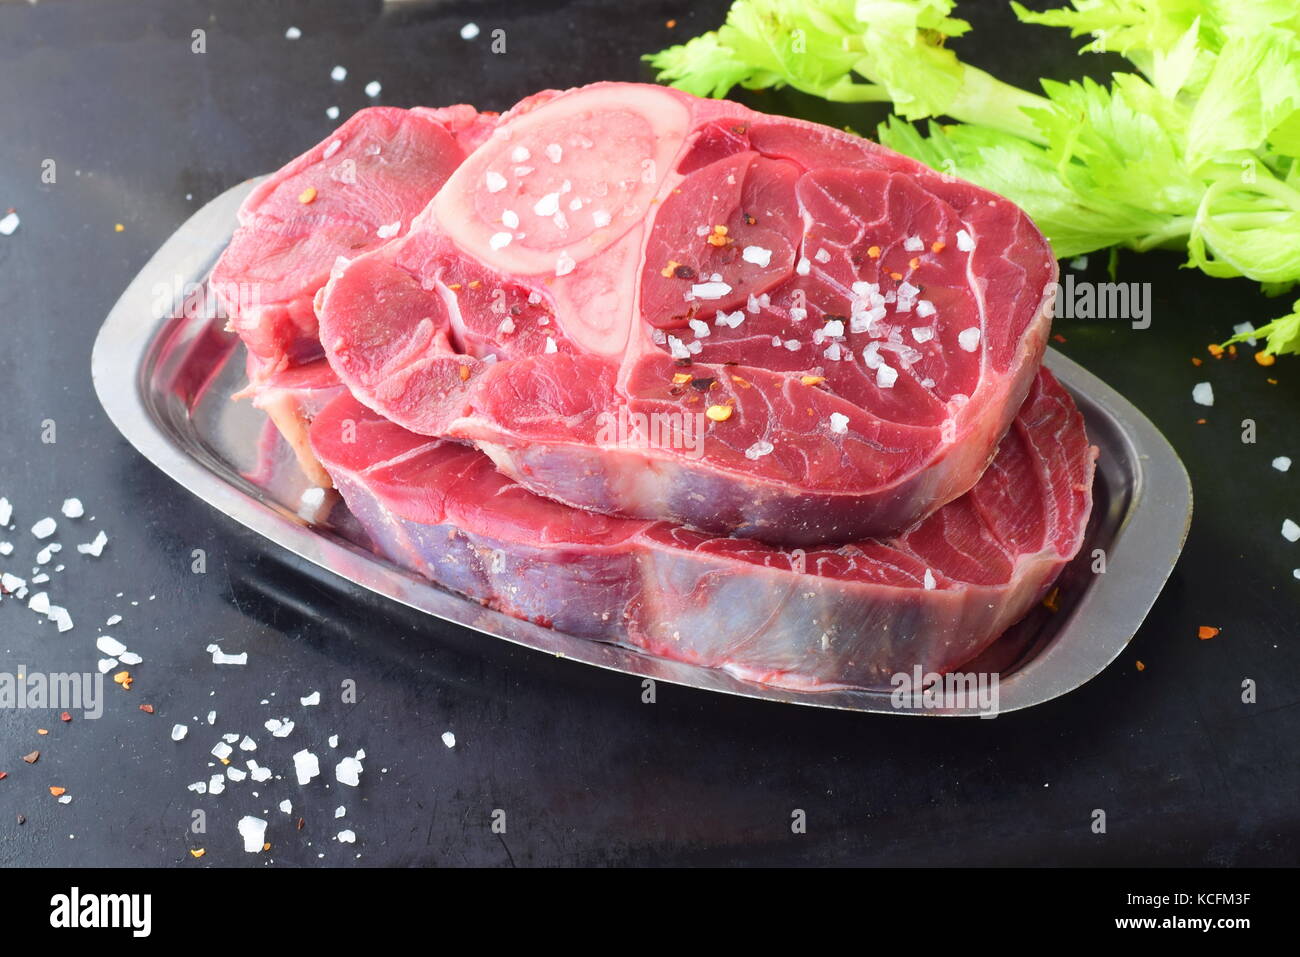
point(644, 304)
point(827, 617)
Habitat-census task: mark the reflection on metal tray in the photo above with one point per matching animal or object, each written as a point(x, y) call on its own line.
point(166, 380)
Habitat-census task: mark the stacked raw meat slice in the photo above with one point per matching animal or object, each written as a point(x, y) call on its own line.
point(668, 372)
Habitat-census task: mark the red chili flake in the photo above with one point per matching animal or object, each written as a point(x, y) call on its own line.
point(1215, 350)
point(895, 275)
point(1206, 632)
point(670, 24)
point(65, 717)
point(914, 262)
point(464, 373)
point(1197, 360)
point(1141, 667)
point(32, 758)
point(1058, 338)
point(749, 220)
point(1200, 421)
point(1265, 358)
point(147, 708)
point(301, 824)
point(3, 775)
point(937, 246)
point(42, 731)
point(873, 252)
point(58, 791)
point(1052, 601)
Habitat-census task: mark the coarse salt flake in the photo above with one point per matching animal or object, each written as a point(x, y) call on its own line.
point(969, 339)
point(219, 657)
point(756, 255)
point(1203, 393)
point(1281, 463)
point(72, 508)
point(339, 74)
point(110, 646)
point(306, 766)
point(964, 241)
point(494, 181)
point(45, 527)
point(839, 423)
point(469, 31)
point(500, 240)
point(95, 548)
point(253, 831)
point(1290, 531)
point(710, 290)
point(759, 449)
point(348, 771)
point(373, 89)
point(8, 224)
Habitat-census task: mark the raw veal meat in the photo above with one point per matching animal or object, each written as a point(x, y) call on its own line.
point(650, 305)
point(345, 196)
point(821, 618)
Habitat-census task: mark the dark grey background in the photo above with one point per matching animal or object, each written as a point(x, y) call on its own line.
point(586, 773)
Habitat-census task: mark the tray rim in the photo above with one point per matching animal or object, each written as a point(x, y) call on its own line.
point(1117, 603)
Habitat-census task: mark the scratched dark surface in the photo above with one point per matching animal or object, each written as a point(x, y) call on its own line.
point(586, 773)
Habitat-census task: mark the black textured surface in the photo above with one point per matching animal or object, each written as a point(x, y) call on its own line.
point(585, 772)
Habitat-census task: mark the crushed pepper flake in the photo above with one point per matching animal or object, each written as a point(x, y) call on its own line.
point(197, 852)
point(58, 791)
point(1271, 381)
point(873, 252)
point(1058, 338)
point(1141, 666)
point(1265, 358)
point(118, 228)
point(65, 717)
point(1052, 601)
point(719, 413)
point(812, 379)
point(937, 246)
point(1206, 632)
point(667, 271)
point(464, 373)
point(1215, 350)
point(681, 378)
point(42, 731)
point(895, 275)
point(3, 775)
point(32, 758)
point(147, 708)
point(124, 679)
point(914, 262)
point(308, 195)
point(1197, 360)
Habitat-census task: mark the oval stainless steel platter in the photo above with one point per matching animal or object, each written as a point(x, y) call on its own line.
point(165, 371)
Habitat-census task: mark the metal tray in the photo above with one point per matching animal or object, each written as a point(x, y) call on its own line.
point(166, 379)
